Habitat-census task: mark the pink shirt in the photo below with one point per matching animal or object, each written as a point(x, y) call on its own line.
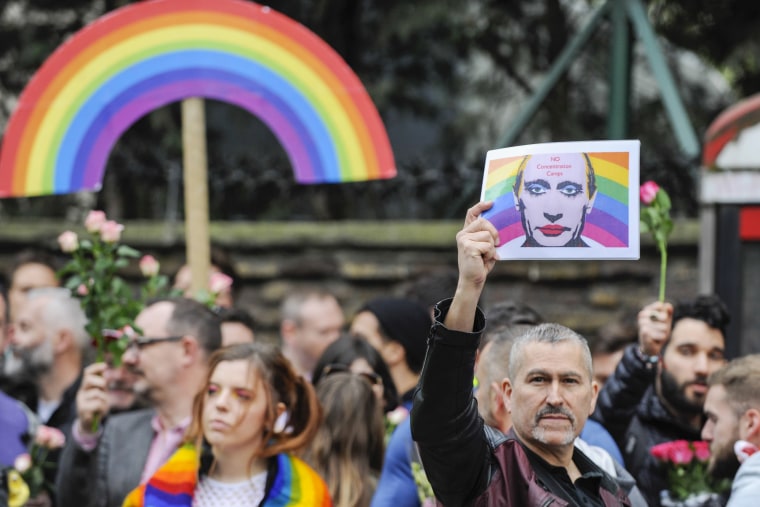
point(165, 442)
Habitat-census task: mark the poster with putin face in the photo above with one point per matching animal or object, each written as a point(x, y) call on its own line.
point(570, 200)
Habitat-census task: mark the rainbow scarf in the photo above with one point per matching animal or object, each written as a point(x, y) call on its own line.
point(295, 484)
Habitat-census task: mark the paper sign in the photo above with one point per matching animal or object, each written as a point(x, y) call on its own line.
point(570, 200)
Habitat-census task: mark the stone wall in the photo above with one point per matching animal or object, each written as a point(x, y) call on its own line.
point(361, 260)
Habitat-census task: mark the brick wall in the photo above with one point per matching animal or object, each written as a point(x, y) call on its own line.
point(360, 260)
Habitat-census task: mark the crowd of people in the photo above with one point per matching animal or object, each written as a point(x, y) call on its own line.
point(418, 400)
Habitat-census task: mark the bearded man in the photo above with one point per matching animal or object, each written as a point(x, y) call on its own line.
point(47, 347)
point(658, 390)
point(732, 408)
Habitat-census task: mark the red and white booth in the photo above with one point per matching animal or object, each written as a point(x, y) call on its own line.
point(729, 247)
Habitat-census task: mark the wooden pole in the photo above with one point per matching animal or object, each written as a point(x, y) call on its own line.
point(196, 192)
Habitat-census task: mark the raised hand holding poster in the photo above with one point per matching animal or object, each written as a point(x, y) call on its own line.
point(569, 200)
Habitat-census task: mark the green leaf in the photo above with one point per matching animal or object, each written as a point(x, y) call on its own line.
point(73, 282)
point(101, 265)
point(662, 200)
point(126, 251)
point(650, 216)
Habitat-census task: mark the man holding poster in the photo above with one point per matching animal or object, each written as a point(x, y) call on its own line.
point(549, 391)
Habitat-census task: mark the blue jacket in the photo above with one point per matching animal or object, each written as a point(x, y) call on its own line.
point(396, 487)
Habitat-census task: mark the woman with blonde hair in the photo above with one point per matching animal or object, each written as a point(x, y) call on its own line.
point(348, 448)
point(252, 415)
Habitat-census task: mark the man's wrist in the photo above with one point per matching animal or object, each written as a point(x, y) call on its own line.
point(464, 305)
point(649, 361)
point(86, 440)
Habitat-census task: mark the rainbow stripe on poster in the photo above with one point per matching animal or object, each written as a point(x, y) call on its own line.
point(607, 223)
point(149, 54)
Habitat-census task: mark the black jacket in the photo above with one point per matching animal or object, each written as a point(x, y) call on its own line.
point(465, 463)
point(636, 418)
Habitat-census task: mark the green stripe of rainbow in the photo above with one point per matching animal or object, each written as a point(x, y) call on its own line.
point(297, 485)
point(149, 54)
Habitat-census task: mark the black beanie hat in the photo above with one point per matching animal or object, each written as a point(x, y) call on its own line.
point(406, 322)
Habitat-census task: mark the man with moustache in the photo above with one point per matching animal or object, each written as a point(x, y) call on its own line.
point(658, 390)
point(554, 193)
point(491, 370)
point(99, 468)
point(549, 393)
point(732, 408)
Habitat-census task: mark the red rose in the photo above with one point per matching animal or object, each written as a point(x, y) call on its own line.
point(660, 451)
point(702, 450)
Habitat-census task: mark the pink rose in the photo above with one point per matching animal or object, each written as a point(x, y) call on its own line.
point(680, 452)
point(397, 415)
point(94, 221)
point(648, 192)
point(82, 290)
point(22, 463)
point(702, 450)
point(69, 241)
point(128, 331)
point(111, 335)
point(52, 438)
point(110, 231)
point(149, 266)
point(219, 282)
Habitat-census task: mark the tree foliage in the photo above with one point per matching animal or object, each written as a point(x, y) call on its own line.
point(447, 77)
point(724, 32)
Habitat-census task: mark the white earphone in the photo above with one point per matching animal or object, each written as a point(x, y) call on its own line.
point(279, 424)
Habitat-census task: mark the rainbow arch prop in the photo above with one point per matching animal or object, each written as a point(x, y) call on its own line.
point(149, 54)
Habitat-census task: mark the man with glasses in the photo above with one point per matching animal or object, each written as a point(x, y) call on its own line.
point(169, 358)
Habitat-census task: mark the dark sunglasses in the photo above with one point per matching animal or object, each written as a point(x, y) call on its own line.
point(373, 378)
